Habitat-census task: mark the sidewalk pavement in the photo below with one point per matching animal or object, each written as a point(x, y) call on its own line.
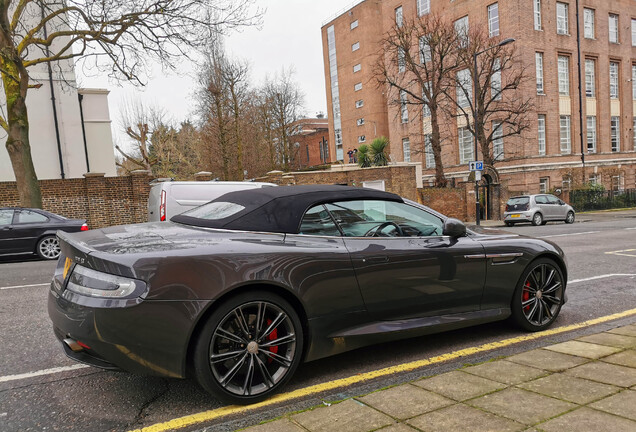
point(590, 216)
point(586, 384)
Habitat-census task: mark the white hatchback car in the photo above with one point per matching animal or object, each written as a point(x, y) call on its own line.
point(537, 209)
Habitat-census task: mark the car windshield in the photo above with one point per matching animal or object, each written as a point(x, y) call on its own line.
point(214, 210)
point(518, 200)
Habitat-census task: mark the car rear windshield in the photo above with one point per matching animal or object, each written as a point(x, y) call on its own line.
point(518, 200)
point(214, 210)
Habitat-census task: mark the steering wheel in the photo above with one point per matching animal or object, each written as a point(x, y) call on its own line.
point(377, 230)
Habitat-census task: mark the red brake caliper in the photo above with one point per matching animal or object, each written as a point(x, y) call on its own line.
point(272, 336)
point(525, 295)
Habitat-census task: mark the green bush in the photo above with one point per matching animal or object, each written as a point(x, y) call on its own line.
point(364, 158)
point(378, 156)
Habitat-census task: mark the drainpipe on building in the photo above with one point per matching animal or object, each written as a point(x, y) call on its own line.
point(578, 50)
point(81, 98)
point(57, 128)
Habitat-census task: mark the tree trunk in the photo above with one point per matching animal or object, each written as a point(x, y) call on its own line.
point(237, 131)
point(436, 145)
point(17, 144)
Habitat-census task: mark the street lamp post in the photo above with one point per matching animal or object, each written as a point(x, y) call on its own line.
point(475, 85)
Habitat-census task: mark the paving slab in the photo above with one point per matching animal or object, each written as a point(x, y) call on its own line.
point(606, 373)
point(622, 404)
point(629, 330)
point(569, 388)
point(405, 401)
point(283, 425)
point(610, 339)
point(521, 405)
point(350, 416)
point(588, 420)
point(459, 385)
point(549, 360)
point(583, 349)
point(505, 372)
point(398, 427)
point(625, 358)
point(461, 417)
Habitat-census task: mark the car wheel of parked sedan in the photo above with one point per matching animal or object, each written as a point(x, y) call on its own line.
point(538, 298)
point(509, 224)
point(249, 348)
point(569, 218)
point(48, 248)
point(537, 219)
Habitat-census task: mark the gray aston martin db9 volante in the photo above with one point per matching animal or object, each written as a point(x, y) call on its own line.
point(239, 291)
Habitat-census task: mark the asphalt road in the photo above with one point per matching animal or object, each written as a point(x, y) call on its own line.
point(36, 396)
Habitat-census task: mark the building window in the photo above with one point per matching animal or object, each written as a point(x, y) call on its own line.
point(537, 14)
point(464, 88)
point(362, 139)
point(495, 81)
point(633, 32)
point(426, 109)
point(359, 103)
point(564, 75)
point(541, 134)
point(566, 182)
point(634, 133)
point(562, 18)
point(355, 46)
point(404, 109)
point(493, 19)
point(590, 78)
point(544, 184)
point(357, 87)
point(466, 153)
point(406, 149)
point(591, 134)
point(594, 179)
point(399, 16)
point(613, 28)
point(356, 68)
point(335, 93)
point(588, 23)
point(613, 77)
point(360, 121)
point(354, 24)
point(425, 50)
point(461, 28)
point(618, 183)
point(401, 60)
point(423, 7)
point(634, 81)
point(566, 134)
point(615, 133)
point(538, 60)
point(428, 150)
point(497, 141)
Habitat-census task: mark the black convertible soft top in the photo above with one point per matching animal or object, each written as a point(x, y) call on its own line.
point(281, 209)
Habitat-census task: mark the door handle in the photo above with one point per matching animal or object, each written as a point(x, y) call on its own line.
point(376, 259)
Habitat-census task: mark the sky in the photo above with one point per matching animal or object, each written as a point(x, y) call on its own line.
point(289, 37)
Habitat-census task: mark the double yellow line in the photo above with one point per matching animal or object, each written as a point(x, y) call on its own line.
point(215, 414)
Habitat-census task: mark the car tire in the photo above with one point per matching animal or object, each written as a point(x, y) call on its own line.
point(48, 247)
point(539, 295)
point(537, 219)
point(248, 367)
point(569, 219)
point(509, 224)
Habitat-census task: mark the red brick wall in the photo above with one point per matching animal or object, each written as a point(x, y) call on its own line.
point(448, 201)
point(102, 201)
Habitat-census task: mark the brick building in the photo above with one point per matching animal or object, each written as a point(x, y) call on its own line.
point(548, 154)
point(310, 137)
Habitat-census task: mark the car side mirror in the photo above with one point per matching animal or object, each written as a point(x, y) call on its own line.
point(454, 228)
point(561, 202)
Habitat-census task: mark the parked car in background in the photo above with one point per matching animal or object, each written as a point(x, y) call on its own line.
point(32, 231)
point(239, 291)
point(170, 198)
point(537, 209)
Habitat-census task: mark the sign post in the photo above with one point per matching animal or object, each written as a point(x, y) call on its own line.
point(476, 167)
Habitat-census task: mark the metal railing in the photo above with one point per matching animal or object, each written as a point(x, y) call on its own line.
point(585, 200)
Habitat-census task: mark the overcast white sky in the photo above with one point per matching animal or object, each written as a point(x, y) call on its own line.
point(290, 36)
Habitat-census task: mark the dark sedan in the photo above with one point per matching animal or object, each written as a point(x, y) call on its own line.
point(32, 231)
point(239, 291)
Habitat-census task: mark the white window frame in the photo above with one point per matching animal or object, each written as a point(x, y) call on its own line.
point(404, 109)
point(355, 46)
point(357, 86)
point(614, 86)
point(425, 50)
point(462, 27)
point(497, 141)
point(423, 7)
point(562, 11)
point(537, 14)
point(362, 138)
point(544, 184)
point(354, 24)
point(590, 78)
point(406, 149)
point(357, 68)
point(428, 151)
point(565, 134)
point(495, 81)
point(591, 134)
point(401, 60)
point(493, 20)
point(463, 76)
point(633, 81)
point(589, 17)
point(359, 103)
point(541, 134)
point(615, 133)
point(538, 60)
point(633, 32)
point(399, 16)
point(634, 133)
point(466, 146)
point(360, 121)
point(563, 69)
point(426, 110)
point(613, 28)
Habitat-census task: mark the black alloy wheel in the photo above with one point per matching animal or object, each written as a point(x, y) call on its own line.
point(48, 248)
point(249, 348)
point(509, 224)
point(538, 297)
point(569, 218)
point(537, 219)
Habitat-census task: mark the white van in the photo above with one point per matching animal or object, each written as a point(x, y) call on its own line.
point(169, 198)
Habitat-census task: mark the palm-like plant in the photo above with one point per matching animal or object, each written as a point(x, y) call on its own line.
point(364, 158)
point(378, 146)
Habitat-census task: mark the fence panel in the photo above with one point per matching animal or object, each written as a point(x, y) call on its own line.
point(586, 200)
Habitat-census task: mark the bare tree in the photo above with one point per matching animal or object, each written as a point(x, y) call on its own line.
point(416, 61)
point(119, 36)
point(497, 108)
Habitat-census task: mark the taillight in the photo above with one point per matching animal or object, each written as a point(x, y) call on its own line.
point(84, 227)
point(162, 206)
